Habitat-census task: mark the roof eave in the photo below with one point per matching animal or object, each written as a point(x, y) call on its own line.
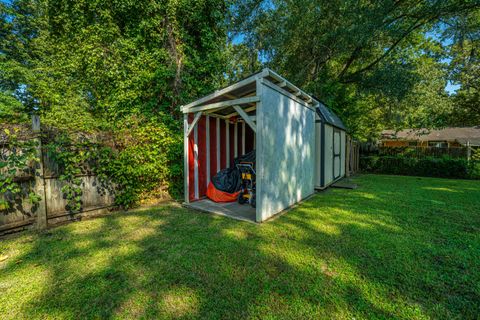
point(266, 72)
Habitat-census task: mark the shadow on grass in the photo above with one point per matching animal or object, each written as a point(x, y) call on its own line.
point(342, 254)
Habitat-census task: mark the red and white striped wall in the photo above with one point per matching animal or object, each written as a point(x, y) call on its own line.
point(212, 146)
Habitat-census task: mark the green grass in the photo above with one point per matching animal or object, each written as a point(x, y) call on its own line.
point(396, 247)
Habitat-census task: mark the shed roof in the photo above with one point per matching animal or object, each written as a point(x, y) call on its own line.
point(245, 88)
point(329, 117)
point(242, 93)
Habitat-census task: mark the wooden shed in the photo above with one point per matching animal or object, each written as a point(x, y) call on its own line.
point(270, 115)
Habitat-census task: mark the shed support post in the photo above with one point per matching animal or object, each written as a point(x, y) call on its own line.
point(207, 136)
point(347, 156)
point(469, 151)
point(235, 140)
point(219, 166)
point(185, 158)
point(39, 188)
point(246, 117)
point(259, 152)
point(322, 154)
point(195, 162)
point(243, 138)
point(227, 143)
point(198, 115)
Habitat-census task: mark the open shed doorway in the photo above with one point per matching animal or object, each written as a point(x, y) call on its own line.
point(214, 138)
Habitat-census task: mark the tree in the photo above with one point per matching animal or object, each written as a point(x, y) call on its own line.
point(112, 68)
point(463, 35)
point(361, 57)
point(104, 60)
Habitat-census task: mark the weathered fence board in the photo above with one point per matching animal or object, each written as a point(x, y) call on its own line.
point(97, 197)
point(353, 156)
point(93, 195)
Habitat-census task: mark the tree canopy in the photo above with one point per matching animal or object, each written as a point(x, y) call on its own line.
point(105, 60)
point(377, 63)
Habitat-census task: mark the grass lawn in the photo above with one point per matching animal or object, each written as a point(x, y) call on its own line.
point(396, 247)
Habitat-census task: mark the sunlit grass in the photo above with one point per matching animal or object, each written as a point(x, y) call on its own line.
point(396, 247)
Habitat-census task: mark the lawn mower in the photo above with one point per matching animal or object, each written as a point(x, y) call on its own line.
point(247, 176)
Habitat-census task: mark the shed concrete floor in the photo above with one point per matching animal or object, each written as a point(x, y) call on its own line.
point(233, 210)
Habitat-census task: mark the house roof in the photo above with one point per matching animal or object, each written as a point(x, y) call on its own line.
point(329, 117)
point(459, 134)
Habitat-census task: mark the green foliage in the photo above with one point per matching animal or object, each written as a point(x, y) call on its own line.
point(475, 158)
point(149, 156)
point(92, 67)
point(145, 157)
point(104, 61)
point(17, 157)
point(242, 62)
point(475, 154)
point(443, 167)
point(70, 158)
point(464, 34)
point(11, 110)
point(374, 62)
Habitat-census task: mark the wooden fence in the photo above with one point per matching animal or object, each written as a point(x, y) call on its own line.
point(97, 197)
point(352, 156)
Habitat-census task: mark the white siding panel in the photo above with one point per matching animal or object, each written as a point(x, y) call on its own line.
point(336, 153)
point(318, 154)
point(343, 140)
point(328, 154)
point(287, 167)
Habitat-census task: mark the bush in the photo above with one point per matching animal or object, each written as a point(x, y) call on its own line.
point(444, 167)
point(140, 159)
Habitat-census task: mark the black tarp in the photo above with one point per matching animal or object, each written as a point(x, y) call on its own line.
point(228, 180)
point(248, 157)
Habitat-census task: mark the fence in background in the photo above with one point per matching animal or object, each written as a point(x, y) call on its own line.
point(353, 156)
point(423, 152)
point(451, 162)
point(97, 197)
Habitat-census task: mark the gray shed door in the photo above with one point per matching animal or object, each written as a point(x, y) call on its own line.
point(336, 153)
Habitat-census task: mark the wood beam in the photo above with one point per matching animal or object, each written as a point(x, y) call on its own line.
point(194, 122)
point(245, 117)
point(285, 83)
point(286, 93)
point(224, 104)
point(233, 114)
point(185, 159)
point(228, 89)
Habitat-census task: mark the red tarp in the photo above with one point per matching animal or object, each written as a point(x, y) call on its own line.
point(219, 196)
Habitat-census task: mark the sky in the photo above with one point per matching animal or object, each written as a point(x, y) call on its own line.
point(452, 88)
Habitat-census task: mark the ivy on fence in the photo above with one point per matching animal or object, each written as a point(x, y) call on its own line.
point(17, 157)
point(144, 158)
point(141, 159)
